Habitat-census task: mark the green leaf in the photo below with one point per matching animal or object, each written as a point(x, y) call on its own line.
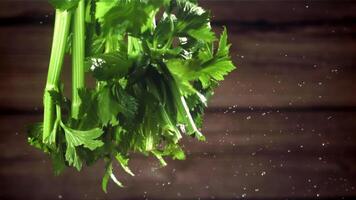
point(184, 73)
point(159, 156)
point(183, 111)
point(207, 68)
point(35, 137)
point(106, 177)
point(189, 16)
point(175, 151)
point(88, 112)
point(169, 130)
point(218, 67)
point(114, 179)
point(86, 138)
point(124, 162)
point(216, 71)
point(60, 100)
point(204, 33)
point(58, 161)
point(52, 137)
point(76, 138)
point(110, 66)
point(126, 103)
point(109, 175)
point(64, 4)
point(108, 107)
point(164, 30)
point(224, 47)
point(133, 16)
point(73, 158)
point(103, 7)
point(191, 124)
point(186, 70)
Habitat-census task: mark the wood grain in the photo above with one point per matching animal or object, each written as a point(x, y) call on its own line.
point(252, 10)
point(302, 155)
point(221, 178)
point(321, 64)
point(319, 54)
point(304, 133)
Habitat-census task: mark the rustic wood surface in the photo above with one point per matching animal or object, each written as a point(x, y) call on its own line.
point(282, 126)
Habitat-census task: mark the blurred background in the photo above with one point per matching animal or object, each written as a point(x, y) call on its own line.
point(282, 126)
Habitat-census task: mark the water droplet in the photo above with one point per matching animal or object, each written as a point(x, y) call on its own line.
point(334, 70)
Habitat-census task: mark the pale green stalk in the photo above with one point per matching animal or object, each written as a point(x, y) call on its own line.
point(61, 30)
point(78, 74)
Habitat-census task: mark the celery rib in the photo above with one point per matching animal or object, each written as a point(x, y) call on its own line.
point(78, 74)
point(61, 30)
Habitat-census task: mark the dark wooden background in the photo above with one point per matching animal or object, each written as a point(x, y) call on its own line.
point(282, 126)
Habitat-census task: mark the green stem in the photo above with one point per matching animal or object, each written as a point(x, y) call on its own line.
point(111, 44)
point(61, 30)
point(133, 46)
point(78, 74)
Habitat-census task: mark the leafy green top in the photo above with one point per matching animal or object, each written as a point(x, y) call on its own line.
point(155, 65)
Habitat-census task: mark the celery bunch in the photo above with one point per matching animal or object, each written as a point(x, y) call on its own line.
point(155, 65)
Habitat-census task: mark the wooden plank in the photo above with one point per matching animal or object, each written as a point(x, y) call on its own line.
point(252, 10)
point(280, 11)
point(279, 133)
point(289, 69)
point(10, 8)
point(276, 135)
point(222, 177)
point(26, 40)
point(321, 62)
point(313, 134)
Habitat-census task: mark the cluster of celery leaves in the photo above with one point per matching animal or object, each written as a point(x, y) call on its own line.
point(154, 65)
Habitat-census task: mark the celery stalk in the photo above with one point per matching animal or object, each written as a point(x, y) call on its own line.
point(61, 30)
point(78, 58)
